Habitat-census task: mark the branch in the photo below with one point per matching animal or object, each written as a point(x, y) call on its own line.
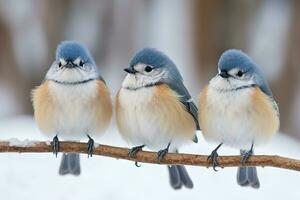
point(150, 157)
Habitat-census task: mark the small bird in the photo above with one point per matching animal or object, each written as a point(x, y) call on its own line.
point(155, 110)
point(73, 102)
point(237, 109)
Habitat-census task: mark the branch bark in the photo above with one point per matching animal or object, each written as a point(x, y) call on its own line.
point(150, 157)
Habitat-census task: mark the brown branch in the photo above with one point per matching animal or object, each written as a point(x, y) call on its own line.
point(150, 157)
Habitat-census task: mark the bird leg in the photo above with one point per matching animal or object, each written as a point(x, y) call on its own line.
point(134, 150)
point(213, 157)
point(90, 146)
point(246, 155)
point(162, 153)
point(55, 145)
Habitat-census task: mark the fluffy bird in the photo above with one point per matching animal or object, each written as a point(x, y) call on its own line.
point(155, 110)
point(73, 102)
point(237, 109)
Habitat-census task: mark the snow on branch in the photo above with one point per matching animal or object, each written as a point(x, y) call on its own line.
point(15, 145)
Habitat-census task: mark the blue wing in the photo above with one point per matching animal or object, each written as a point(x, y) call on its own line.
point(186, 99)
point(264, 87)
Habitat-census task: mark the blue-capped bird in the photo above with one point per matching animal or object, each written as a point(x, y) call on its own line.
point(73, 102)
point(155, 110)
point(237, 109)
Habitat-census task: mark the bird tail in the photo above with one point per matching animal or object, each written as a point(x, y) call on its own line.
point(70, 164)
point(247, 176)
point(179, 176)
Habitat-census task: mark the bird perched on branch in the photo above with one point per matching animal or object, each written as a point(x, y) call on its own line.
point(237, 109)
point(73, 102)
point(155, 110)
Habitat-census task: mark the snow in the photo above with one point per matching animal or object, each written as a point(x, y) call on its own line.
point(21, 143)
point(35, 176)
point(96, 144)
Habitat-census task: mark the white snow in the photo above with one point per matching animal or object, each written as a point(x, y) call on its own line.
point(96, 144)
point(21, 143)
point(35, 176)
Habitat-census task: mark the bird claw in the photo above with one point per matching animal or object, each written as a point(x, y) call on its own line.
point(214, 158)
point(55, 145)
point(134, 150)
point(137, 164)
point(161, 154)
point(245, 156)
point(90, 146)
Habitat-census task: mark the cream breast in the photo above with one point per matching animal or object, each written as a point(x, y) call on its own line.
point(153, 116)
point(72, 111)
point(237, 118)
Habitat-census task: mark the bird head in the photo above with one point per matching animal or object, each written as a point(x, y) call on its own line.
point(73, 63)
point(148, 67)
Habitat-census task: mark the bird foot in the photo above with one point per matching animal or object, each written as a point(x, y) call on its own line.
point(134, 150)
point(213, 157)
point(55, 145)
point(161, 154)
point(137, 164)
point(90, 146)
point(245, 156)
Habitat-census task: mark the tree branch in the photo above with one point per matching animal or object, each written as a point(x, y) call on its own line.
point(150, 157)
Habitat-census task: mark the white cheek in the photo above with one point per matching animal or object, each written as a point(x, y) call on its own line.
point(220, 83)
point(70, 75)
point(129, 81)
point(139, 80)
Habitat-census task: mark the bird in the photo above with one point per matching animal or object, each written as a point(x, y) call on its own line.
point(237, 109)
point(73, 102)
point(155, 110)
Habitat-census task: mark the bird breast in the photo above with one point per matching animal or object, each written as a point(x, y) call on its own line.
point(72, 111)
point(237, 117)
point(153, 116)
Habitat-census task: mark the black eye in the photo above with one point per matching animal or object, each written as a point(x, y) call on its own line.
point(59, 64)
point(239, 73)
point(148, 68)
point(81, 63)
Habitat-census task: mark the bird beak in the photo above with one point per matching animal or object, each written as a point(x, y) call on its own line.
point(130, 70)
point(69, 65)
point(224, 74)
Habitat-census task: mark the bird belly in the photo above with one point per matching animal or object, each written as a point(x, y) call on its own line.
point(71, 111)
point(237, 118)
point(153, 117)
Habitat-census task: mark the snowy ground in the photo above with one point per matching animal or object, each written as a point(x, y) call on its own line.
point(35, 176)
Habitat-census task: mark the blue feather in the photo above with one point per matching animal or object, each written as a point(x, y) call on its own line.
point(71, 50)
point(157, 59)
point(233, 58)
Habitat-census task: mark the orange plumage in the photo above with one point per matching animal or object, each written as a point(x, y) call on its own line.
point(94, 107)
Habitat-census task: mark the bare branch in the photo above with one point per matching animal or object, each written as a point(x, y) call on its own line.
point(151, 157)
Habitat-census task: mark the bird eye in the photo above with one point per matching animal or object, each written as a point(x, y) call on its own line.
point(148, 68)
point(240, 73)
point(81, 63)
point(59, 64)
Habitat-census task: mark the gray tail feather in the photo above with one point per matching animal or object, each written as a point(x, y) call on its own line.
point(70, 164)
point(247, 176)
point(174, 177)
point(179, 177)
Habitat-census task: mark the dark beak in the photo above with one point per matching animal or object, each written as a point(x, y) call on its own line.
point(130, 70)
point(224, 74)
point(70, 65)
